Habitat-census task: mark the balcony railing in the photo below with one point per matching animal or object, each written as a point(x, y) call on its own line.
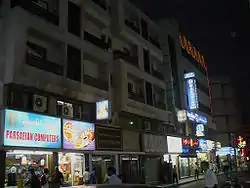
point(36, 9)
point(101, 3)
point(95, 82)
point(158, 74)
point(136, 97)
point(132, 25)
point(97, 41)
point(133, 60)
point(160, 105)
point(44, 64)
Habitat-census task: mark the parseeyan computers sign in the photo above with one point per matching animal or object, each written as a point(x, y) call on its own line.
point(191, 86)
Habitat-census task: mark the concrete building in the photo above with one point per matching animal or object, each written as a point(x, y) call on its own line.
point(226, 112)
point(59, 58)
point(187, 59)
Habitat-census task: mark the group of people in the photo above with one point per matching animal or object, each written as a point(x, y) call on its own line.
point(46, 181)
point(110, 177)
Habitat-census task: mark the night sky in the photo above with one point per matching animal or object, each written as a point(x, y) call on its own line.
point(220, 29)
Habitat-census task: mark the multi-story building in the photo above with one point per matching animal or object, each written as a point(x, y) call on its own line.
point(61, 58)
point(191, 92)
point(226, 112)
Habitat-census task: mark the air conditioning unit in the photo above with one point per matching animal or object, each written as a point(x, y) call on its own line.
point(39, 103)
point(147, 126)
point(67, 111)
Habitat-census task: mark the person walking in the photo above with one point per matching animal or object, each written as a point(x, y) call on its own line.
point(210, 178)
point(113, 178)
point(196, 171)
point(86, 176)
point(45, 179)
point(33, 181)
point(175, 176)
point(57, 179)
point(93, 177)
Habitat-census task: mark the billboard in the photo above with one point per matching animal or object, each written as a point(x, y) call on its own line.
point(174, 144)
point(78, 135)
point(102, 110)
point(192, 116)
point(192, 95)
point(200, 130)
point(31, 130)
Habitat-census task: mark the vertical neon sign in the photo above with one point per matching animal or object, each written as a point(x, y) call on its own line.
point(192, 95)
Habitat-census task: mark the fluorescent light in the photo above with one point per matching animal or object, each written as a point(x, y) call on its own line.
point(27, 152)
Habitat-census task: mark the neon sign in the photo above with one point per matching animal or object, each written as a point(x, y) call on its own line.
point(191, 50)
point(192, 94)
point(200, 130)
point(192, 116)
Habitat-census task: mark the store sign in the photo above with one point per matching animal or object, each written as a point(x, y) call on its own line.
point(189, 75)
point(241, 142)
point(192, 116)
point(174, 144)
point(78, 135)
point(200, 130)
point(202, 144)
point(187, 143)
point(102, 110)
point(155, 143)
point(191, 50)
point(225, 151)
point(109, 139)
point(182, 116)
point(210, 145)
point(31, 130)
point(192, 94)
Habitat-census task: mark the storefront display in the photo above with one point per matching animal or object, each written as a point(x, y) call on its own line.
point(184, 167)
point(72, 166)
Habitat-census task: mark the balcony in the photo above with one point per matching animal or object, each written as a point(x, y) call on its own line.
point(101, 3)
point(133, 60)
point(44, 64)
point(95, 82)
point(132, 25)
point(158, 74)
point(136, 97)
point(37, 9)
point(97, 41)
point(160, 105)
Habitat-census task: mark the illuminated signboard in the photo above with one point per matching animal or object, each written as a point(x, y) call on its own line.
point(31, 130)
point(186, 143)
point(210, 145)
point(192, 94)
point(202, 144)
point(192, 116)
point(181, 115)
point(225, 151)
point(189, 75)
point(174, 144)
point(78, 135)
point(102, 110)
point(191, 50)
point(200, 130)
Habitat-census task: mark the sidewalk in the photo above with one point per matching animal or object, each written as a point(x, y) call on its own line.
point(188, 180)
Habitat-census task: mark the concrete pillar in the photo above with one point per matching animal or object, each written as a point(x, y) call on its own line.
point(2, 169)
point(63, 14)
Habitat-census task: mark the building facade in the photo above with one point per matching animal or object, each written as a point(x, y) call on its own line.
point(96, 64)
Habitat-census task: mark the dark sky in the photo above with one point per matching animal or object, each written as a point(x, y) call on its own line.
point(220, 29)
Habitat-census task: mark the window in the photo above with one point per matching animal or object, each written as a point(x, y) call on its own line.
point(74, 19)
point(149, 94)
point(204, 108)
point(202, 87)
point(146, 61)
point(74, 63)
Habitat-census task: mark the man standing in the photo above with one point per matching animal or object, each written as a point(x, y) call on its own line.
point(210, 178)
point(196, 171)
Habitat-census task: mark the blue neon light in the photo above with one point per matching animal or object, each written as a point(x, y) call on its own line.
point(192, 116)
point(193, 102)
point(189, 75)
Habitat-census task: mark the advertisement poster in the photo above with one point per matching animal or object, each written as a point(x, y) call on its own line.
point(200, 130)
point(31, 130)
point(102, 110)
point(78, 135)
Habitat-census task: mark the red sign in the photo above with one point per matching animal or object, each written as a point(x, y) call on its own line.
point(191, 50)
point(186, 142)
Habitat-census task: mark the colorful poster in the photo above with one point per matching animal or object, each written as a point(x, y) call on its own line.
point(102, 110)
point(200, 130)
point(31, 130)
point(78, 135)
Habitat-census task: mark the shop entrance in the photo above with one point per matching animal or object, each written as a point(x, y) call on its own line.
point(72, 166)
point(130, 168)
point(18, 161)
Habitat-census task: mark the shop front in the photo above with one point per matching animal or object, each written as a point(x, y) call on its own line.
point(108, 147)
point(155, 147)
point(38, 141)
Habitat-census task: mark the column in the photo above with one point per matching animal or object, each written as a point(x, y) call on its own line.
point(2, 169)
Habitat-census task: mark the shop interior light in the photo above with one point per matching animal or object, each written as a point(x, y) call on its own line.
point(26, 152)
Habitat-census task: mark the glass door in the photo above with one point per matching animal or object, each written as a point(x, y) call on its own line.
point(184, 170)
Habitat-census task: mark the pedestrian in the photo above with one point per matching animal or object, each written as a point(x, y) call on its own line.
point(33, 181)
point(86, 176)
point(45, 179)
point(210, 178)
point(196, 171)
point(93, 177)
point(57, 179)
point(175, 176)
point(113, 178)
